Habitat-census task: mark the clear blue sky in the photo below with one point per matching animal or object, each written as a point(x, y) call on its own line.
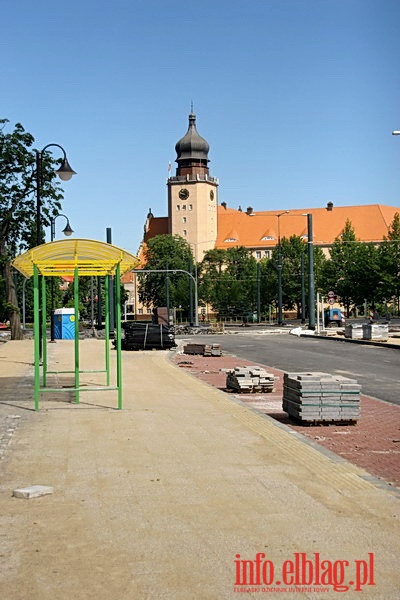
point(297, 99)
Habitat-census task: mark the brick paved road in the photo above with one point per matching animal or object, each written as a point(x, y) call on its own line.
point(373, 443)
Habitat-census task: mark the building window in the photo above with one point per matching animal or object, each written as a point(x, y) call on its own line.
point(183, 219)
point(267, 253)
point(190, 206)
point(258, 254)
point(140, 311)
point(178, 207)
point(183, 206)
point(149, 311)
point(267, 237)
point(184, 232)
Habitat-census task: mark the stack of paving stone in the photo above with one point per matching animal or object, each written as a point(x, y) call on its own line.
point(249, 379)
point(212, 350)
point(376, 331)
point(353, 331)
point(318, 397)
point(203, 349)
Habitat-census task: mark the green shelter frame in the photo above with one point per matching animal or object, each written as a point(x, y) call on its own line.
point(74, 258)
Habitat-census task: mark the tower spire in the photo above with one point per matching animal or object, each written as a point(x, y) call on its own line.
point(192, 151)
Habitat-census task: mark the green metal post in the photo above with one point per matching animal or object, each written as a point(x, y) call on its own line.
point(311, 283)
point(44, 331)
point(36, 335)
point(107, 329)
point(258, 294)
point(76, 341)
point(118, 332)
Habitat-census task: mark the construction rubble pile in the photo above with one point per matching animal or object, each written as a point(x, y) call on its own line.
point(249, 380)
point(314, 397)
point(203, 349)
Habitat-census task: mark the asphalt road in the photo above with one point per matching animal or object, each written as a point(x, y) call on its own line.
point(376, 368)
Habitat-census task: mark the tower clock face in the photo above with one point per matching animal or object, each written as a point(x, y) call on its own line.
point(184, 194)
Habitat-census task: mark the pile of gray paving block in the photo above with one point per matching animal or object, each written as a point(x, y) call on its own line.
point(212, 350)
point(203, 349)
point(376, 331)
point(318, 397)
point(250, 379)
point(353, 331)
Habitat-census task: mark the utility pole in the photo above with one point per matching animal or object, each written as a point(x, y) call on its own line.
point(111, 289)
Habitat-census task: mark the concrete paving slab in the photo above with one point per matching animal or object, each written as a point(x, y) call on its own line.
point(32, 491)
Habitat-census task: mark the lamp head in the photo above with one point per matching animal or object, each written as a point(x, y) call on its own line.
point(68, 230)
point(65, 171)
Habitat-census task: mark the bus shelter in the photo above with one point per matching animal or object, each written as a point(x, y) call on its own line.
point(74, 258)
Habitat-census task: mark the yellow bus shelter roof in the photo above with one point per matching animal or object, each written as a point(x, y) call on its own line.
point(60, 258)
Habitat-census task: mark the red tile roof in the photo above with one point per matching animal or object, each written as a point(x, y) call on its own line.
point(260, 228)
point(370, 222)
point(156, 226)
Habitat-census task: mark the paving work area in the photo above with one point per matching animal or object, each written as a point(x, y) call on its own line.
point(166, 498)
point(373, 443)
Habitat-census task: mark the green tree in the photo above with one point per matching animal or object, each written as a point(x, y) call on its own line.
point(18, 208)
point(354, 270)
point(228, 281)
point(340, 270)
point(366, 275)
point(210, 275)
point(389, 262)
point(166, 252)
point(292, 250)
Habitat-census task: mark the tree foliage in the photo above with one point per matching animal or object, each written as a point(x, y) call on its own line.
point(292, 250)
point(18, 208)
point(228, 281)
point(18, 188)
point(166, 252)
point(389, 262)
point(340, 270)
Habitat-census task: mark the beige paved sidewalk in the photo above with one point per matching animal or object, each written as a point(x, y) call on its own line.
point(155, 501)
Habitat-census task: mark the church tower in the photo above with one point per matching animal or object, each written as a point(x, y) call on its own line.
point(193, 194)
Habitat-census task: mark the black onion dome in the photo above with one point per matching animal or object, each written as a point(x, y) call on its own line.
point(192, 145)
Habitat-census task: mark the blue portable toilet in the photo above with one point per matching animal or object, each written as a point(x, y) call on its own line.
point(64, 324)
point(334, 316)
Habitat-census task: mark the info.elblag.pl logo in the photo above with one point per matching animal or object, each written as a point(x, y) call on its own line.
point(301, 572)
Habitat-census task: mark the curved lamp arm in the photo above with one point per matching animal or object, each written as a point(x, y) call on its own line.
point(67, 229)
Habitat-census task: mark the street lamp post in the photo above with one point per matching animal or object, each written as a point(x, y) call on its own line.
point(65, 172)
point(66, 231)
point(280, 319)
point(311, 278)
point(258, 294)
point(303, 292)
point(311, 285)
